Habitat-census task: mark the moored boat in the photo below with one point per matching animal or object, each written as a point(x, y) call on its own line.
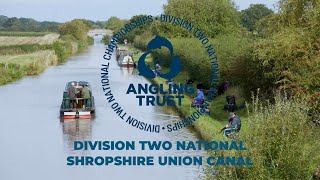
point(121, 51)
point(127, 61)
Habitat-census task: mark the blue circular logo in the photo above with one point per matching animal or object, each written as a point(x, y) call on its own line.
point(174, 62)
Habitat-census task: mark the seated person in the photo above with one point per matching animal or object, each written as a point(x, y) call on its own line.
point(189, 81)
point(78, 95)
point(199, 100)
point(170, 86)
point(86, 94)
point(234, 124)
point(72, 95)
point(158, 68)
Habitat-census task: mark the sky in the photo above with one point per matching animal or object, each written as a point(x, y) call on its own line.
point(65, 10)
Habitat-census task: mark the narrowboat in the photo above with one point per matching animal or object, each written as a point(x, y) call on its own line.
point(77, 101)
point(127, 61)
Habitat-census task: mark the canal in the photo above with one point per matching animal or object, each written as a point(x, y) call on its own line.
point(35, 144)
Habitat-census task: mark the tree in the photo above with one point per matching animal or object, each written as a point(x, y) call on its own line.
point(137, 30)
point(26, 24)
point(3, 19)
point(288, 55)
point(100, 24)
point(114, 23)
point(76, 28)
point(12, 24)
point(252, 15)
point(213, 17)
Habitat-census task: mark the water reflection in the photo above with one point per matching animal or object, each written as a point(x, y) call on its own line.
point(77, 129)
point(97, 40)
point(127, 71)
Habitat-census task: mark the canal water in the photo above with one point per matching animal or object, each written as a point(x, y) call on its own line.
point(34, 144)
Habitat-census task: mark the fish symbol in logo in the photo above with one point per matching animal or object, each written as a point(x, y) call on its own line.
point(174, 62)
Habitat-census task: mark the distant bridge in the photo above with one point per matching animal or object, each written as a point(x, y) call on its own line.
point(96, 32)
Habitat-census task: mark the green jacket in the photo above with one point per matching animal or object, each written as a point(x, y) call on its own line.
point(85, 93)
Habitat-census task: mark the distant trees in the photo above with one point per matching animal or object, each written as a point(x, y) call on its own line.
point(251, 16)
point(76, 28)
point(3, 19)
point(12, 24)
point(99, 25)
point(26, 24)
point(31, 25)
point(114, 23)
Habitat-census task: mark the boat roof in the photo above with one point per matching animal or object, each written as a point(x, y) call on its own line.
point(81, 83)
point(123, 48)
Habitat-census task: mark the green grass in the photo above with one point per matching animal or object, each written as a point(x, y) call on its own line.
point(30, 53)
point(22, 49)
point(14, 67)
point(281, 143)
point(43, 57)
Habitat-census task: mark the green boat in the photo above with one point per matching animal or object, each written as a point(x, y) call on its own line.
point(74, 105)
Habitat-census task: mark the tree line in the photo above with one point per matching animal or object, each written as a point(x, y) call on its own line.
point(31, 25)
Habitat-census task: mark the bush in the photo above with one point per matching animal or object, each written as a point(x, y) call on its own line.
point(106, 39)
point(280, 142)
point(62, 49)
point(10, 72)
point(142, 41)
point(76, 28)
point(90, 40)
point(233, 52)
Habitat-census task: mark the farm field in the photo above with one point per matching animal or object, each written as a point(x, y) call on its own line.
point(20, 40)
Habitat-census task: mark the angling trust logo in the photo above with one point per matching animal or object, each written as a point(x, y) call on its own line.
point(163, 72)
point(160, 94)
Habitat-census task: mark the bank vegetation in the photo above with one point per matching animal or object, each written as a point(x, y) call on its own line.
point(276, 53)
point(30, 53)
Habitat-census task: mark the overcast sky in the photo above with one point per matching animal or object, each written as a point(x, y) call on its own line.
point(64, 10)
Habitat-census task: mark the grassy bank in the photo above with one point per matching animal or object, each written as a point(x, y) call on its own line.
point(30, 53)
point(15, 67)
point(208, 125)
point(280, 141)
